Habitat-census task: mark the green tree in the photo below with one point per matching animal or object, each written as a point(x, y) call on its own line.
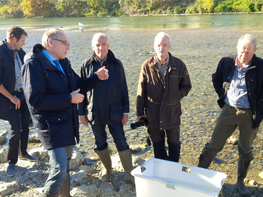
point(33, 8)
point(208, 5)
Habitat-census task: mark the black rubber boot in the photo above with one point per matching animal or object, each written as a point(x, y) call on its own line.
point(174, 151)
point(242, 173)
point(159, 150)
point(204, 162)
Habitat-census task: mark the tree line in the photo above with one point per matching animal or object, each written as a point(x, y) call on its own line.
point(83, 8)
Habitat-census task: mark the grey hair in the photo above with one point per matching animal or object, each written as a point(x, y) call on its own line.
point(96, 35)
point(249, 38)
point(161, 35)
point(50, 33)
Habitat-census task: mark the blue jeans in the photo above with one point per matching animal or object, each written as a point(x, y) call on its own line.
point(59, 164)
point(117, 133)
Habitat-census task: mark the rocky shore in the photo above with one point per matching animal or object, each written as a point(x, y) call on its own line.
point(201, 50)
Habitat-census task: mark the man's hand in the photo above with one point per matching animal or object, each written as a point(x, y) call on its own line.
point(16, 101)
point(124, 119)
point(139, 117)
point(103, 73)
point(84, 120)
point(76, 97)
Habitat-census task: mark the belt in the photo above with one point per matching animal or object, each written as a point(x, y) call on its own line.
point(18, 89)
point(242, 109)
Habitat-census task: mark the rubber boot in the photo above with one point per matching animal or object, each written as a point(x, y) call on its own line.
point(65, 187)
point(126, 161)
point(50, 195)
point(159, 150)
point(106, 160)
point(204, 162)
point(242, 173)
point(174, 151)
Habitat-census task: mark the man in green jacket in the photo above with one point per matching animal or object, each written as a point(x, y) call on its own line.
point(163, 82)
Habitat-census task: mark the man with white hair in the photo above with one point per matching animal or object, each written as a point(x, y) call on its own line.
point(107, 104)
point(52, 91)
point(163, 82)
point(238, 82)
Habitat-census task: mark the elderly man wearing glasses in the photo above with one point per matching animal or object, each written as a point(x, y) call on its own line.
point(52, 91)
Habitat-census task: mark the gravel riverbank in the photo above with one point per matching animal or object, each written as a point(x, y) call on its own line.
point(201, 50)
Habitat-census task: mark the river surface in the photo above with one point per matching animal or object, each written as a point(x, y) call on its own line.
point(199, 40)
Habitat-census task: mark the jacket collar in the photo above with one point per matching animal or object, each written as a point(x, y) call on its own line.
point(153, 64)
point(36, 53)
point(110, 58)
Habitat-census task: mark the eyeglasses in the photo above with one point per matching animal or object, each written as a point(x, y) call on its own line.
point(66, 43)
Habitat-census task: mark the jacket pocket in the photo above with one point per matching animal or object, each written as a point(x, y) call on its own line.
point(175, 113)
point(116, 112)
point(60, 125)
point(152, 112)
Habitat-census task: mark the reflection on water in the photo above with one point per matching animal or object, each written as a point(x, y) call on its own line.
point(233, 21)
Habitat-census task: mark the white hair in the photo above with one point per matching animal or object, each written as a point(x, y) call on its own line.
point(161, 35)
point(249, 38)
point(97, 35)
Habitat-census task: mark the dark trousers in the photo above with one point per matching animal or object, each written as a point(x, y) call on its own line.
point(19, 121)
point(116, 130)
point(173, 140)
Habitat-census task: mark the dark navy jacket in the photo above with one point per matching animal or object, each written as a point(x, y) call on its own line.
point(7, 78)
point(254, 83)
point(106, 103)
point(47, 93)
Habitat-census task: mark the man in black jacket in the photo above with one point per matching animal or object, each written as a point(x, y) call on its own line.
point(107, 104)
point(238, 82)
point(52, 92)
point(12, 101)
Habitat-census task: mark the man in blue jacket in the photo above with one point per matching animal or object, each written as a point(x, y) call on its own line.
point(12, 101)
point(238, 82)
point(107, 104)
point(52, 90)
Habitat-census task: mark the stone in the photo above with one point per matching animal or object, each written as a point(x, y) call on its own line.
point(33, 138)
point(84, 190)
point(39, 153)
point(260, 175)
point(137, 148)
point(107, 189)
point(127, 190)
point(76, 160)
point(3, 140)
point(232, 140)
point(3, 154)
point(8, 188)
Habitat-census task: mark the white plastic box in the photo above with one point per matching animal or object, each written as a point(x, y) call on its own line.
point(162, 178)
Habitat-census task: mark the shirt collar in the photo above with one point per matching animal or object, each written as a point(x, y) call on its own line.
point(101, 62)
point(247, 66)
point(49, 57)
point(159, 64)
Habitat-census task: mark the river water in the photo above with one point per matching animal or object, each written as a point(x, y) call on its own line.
point(199, 40)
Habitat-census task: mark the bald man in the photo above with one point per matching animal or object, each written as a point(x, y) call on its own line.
point(107, 104)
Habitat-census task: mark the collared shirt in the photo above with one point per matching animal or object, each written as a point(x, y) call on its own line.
point(162, 67)
point(18, 65)
point(102, 62)
point(237, 92)
point(52, 59)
